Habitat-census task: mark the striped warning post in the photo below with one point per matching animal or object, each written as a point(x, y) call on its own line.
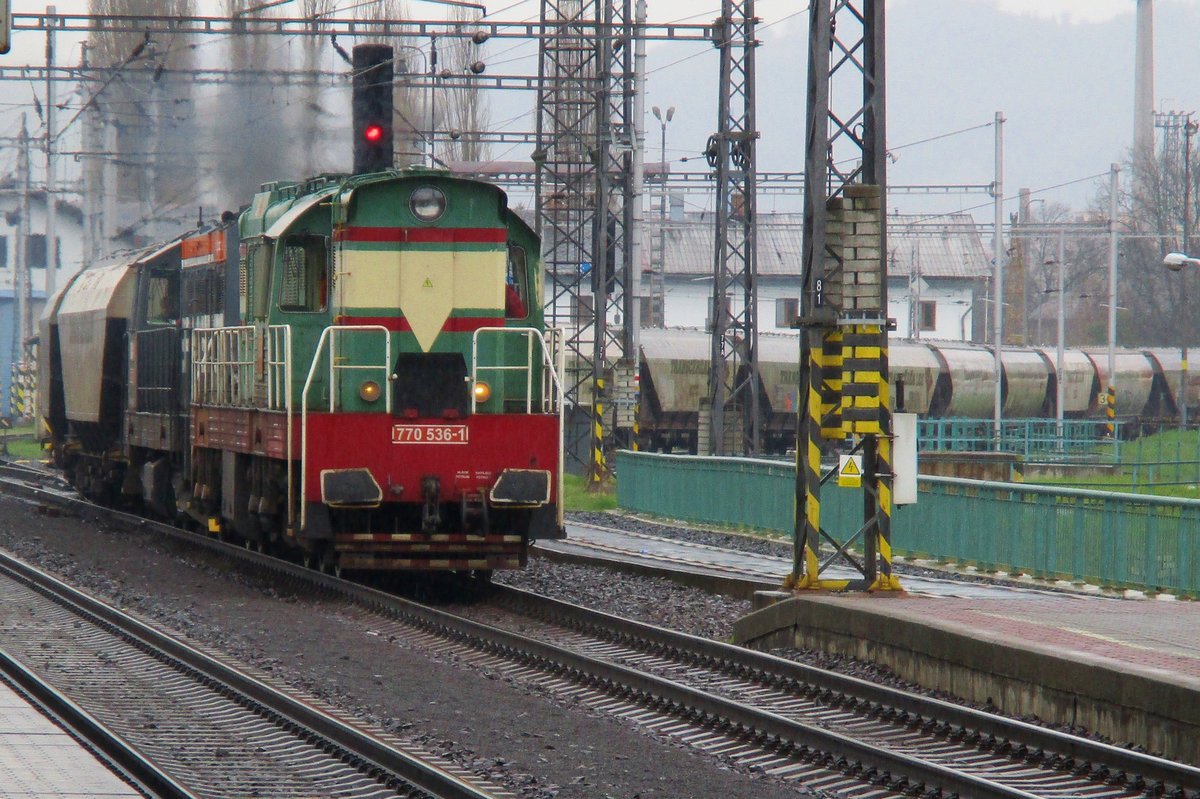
point(829, 360)
point(21, 387)
point(637, 425)
point(1110, 411)
point(883, 478)
point(806, 565)
point(598, 466)
point(862, 376)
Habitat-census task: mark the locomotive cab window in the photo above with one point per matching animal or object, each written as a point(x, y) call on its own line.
point(254, 281)
point(516, 284)
point(305, 275)
point(162, 298)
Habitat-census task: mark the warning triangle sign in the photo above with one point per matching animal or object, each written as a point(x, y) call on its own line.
point(850, 471)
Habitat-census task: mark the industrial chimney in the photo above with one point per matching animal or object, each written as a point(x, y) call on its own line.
point(1143, 87)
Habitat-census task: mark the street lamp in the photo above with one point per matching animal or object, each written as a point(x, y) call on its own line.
point(658, 300)
point(1059, 390)
point(1175, 261)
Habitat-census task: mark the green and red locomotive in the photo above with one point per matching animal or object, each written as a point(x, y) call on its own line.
point(354, 368)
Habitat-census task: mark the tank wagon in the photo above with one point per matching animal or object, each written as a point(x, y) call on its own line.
point(353, 368)
point(934, 379)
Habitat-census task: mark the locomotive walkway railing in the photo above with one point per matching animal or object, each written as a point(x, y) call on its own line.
point(1109, 539)
point(226, 361)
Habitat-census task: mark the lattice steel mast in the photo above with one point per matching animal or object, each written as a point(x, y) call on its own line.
point(843, 356)
point(583, 206)
point(733, 378)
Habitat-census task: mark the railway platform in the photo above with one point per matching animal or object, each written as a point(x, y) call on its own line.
point(1126, 668)
point(39, 760)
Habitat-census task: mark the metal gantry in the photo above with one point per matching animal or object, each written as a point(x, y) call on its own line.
point(843, 350)
point(567, 186)
point(584, 182)
point(733, 376)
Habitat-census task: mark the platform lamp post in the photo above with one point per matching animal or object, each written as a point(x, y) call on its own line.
point(658, 300)
point(1059, 390)
point(1189, 128)
point(1176, 261)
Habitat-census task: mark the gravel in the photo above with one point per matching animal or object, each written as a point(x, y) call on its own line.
point(535, 744)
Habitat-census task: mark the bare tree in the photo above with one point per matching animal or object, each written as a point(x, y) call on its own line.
point(1155, 305)
point(147, 111)
point(466, 113)
point(313, 115)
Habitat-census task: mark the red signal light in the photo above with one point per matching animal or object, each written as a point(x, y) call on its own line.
point(373, 132)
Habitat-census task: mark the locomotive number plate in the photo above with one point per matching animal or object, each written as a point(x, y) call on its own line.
point(429, 434)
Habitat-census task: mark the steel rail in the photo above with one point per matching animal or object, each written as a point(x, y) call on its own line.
point(120, 756)
point(374, 752)
point(773, 670)
point(769, 668)
point(683, 701)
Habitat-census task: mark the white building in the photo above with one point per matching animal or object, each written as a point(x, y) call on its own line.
point(69, 234)
point(937, 273)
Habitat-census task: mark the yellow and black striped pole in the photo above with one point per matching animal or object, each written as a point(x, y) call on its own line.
point(805, 563)
point(883, 476)
point(1110, 411)
point(637, 425)
point(599, 469)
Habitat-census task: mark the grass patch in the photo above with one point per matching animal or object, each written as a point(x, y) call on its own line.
point(1165, 464)
point(20, 441)
point(578, 497)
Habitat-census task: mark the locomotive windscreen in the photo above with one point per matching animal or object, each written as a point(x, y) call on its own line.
point(431, 384)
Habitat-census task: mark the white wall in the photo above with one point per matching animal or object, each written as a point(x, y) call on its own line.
point(688, 301)
point(67, 231)
point(952, 310)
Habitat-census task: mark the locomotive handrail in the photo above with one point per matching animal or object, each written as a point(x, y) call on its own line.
point(530, 335)
point(553, 359)
point(330, 334)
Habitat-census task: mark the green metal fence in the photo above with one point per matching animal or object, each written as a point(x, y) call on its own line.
point(1030, 438)
point(1106, 538)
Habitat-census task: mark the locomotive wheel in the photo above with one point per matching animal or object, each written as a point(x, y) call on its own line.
point(330, 564)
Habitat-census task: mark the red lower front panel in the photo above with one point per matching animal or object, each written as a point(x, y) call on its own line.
point(466, 455)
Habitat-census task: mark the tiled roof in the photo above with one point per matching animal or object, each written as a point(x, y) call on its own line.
point(940, 247)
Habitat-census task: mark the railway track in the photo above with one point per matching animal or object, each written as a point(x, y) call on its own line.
point(822, 730)
point(174, 710)
point(120, 758)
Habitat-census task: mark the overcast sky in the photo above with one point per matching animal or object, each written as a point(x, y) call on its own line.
point(1060, 70)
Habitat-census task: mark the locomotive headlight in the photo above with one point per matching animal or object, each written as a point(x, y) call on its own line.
point(369, 391)
point(427, 203)
point(482, 392)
